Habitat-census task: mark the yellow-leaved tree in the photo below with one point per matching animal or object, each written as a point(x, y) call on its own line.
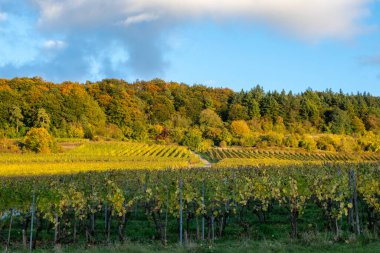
point(39, 140)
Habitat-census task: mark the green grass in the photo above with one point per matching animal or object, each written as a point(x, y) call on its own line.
point(266, 246)
point(271, 236)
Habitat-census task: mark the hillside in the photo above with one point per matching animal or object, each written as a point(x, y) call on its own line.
point(195, 116)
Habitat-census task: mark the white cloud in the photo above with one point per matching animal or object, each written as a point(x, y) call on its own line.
point(3, 16)
point(131, 37)
point(140, 18)
point(54, 44)
point(310, 19)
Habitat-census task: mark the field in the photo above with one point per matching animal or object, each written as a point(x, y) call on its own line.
point(99, 156)
point(129, 194)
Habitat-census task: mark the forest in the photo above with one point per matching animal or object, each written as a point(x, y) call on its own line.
point(192, 115)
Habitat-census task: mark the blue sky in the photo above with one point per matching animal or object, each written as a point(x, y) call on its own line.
point(279, 44)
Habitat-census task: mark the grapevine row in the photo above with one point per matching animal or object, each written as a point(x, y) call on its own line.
point(73, 204)
point(217, 154)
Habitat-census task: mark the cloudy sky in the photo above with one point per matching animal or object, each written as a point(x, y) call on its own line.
point(279, 44)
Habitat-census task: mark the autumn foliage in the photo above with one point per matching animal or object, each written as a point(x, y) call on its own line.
point(39, 140)
point(196, 115)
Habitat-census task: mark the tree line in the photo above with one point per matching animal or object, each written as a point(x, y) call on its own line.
point(196, 116)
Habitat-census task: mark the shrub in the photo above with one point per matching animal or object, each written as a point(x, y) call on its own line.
point(270, 140)
point(75, 131)
point(290, 141)
point(8, 145)
point(347, 145)
point(326, 143)
point(248, 141)
point(223, 144)
point(226, 137)
point(39, 140)
point(110, 131)
point(308, 143)
point(205, 145)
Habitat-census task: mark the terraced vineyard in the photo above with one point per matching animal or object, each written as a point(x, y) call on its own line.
point(249, 156)
point(98, 156)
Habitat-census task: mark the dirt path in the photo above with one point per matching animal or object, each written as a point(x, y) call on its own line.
point(66, 146)
point(206, 164)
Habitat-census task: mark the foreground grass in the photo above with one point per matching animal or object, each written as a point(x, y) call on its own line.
point(230, 247)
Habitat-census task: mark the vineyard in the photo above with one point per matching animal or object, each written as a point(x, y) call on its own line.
point(189, 205)
point(97, 157)
point(107, 192)
point(235, 157)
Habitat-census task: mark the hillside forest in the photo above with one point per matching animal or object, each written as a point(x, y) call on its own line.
point(196, 116)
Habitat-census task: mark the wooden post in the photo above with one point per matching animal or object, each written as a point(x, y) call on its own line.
point(24, 233)
point(355, 199)
point(32, 221)
point(203, 217)
point(75, 229)
point(180, 212)
point(56, 229)
point(212, 228)
point(105, 216)
point(9, 232)
point(109, 226)
point(166, 217)
point(351, 201)
point(337, 226)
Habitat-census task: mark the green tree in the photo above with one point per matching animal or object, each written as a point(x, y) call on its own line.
point(209, 118)
point(161, 109)
point(225, 137)
point(211, 125)
point(340, 121)
point(16, 117)
point(42, 120)
point(309, 111)
point(269, 107)
point(193, 139)
point(238, 112)
point(358, 125)
point(253, 109)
